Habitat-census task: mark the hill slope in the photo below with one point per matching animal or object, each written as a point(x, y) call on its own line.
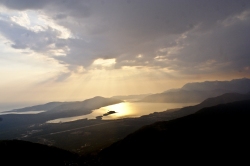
point(16, 152)
point(199, 91)
point(217, 134)
point(213, 101)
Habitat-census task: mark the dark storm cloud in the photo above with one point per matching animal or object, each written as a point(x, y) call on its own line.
point(225, 47)
point(24, 4)
point(76, 8)
point(183, 35)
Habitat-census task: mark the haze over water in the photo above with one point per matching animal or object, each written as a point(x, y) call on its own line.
point(10, 106)
point(125, 110)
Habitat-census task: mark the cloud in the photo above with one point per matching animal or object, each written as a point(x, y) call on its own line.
point(24, 4)
point(23, 38)
point(22, 19)
point(189, 37)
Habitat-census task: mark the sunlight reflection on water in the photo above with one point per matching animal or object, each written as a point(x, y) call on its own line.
point(124, 110)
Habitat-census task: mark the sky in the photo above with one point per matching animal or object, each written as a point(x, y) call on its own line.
point(66, 50)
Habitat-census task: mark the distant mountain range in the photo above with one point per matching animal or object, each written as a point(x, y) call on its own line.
point(42, 107)
point(75, 106)
point(131, 97)
point(68, 109)
point(55, 110)
point(199, 91)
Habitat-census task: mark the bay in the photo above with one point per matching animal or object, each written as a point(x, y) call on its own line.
point(125, 110)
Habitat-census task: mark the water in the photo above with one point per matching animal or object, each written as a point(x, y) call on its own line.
point(125, 110)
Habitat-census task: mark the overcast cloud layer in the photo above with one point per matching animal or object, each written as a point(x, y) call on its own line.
point(186, 36)
point(176, 37)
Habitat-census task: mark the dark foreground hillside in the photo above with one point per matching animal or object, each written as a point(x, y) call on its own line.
point(17, 152)
point(218, 134)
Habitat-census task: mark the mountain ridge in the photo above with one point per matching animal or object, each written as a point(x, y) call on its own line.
point(67, 109)
point(199, 91)
point(213, 101)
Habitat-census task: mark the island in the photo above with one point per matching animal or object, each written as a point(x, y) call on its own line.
point(108, 113)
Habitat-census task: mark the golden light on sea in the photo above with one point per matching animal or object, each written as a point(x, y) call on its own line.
point(122, 110)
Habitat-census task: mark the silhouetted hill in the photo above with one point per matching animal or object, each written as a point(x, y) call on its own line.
point(183, 96)
point(131, 97)
point(75, 107)
point(64, 109)
point(81, 107)
point(235, 85)
point(222, 99)
point(42, 107)
point(16, 152)
point(199, 91)
point(214, 135)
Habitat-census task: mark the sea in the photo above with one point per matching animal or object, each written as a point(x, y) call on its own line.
point(125, 110)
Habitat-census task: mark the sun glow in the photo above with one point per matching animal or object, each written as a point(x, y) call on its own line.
point(122, 110)
point(104, 62)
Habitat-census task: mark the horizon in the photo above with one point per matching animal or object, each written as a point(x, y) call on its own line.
point(17, 105)
point(72, 51)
